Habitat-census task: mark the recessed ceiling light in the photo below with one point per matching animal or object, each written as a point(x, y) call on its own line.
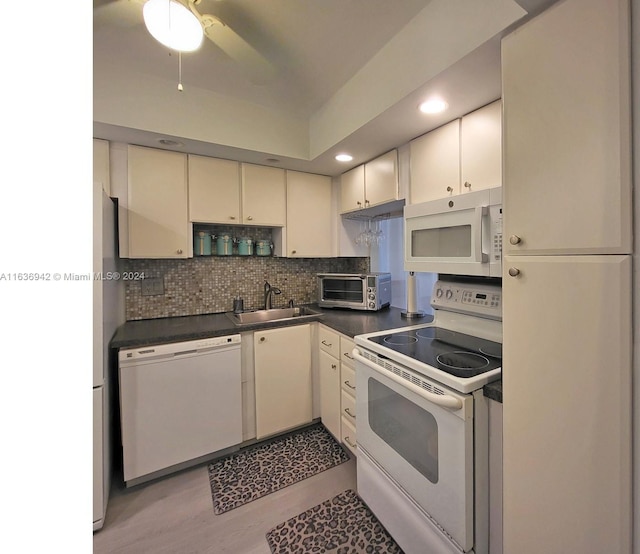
point(169, 142)
point(434, 105)
point(344, 157)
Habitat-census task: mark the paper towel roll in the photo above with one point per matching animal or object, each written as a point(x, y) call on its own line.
point(412, 300)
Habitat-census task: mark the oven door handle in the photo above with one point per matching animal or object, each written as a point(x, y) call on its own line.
point(443, 400)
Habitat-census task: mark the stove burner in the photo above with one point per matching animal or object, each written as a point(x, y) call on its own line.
point(463, 360)
point(434, 333)
point(400, 339)
point(493, 351)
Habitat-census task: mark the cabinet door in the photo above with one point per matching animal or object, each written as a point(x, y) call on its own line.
point(330, 393)
point(567, 131)
point(214, 190)
point(309, 221)
point(264, 195)
point(381, 179)
point(352, 190)
point(157, 204)
point(481, 148)
point(101, 164)
point(567, 404)
point(282, 379)
point(435, 164)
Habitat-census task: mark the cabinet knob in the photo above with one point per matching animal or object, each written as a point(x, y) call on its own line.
point(293, 251)
point(449, 189)
point(333, 366)
point(515, 239)
point(249, 218)
point(514, 271)
point(467, 185)
point(359, 203)
point(179, 251)
point(262, 339)
point(366, 202)
point(232, 217)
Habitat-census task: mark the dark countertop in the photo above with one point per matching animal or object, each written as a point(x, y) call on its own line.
point(348, 322)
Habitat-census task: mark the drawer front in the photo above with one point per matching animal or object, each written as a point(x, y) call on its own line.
point(329, 341)
point(348, 432)
point(348, 405)
point(346, 347)
point(348, 379)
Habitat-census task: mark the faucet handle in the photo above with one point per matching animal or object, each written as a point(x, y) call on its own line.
point(291, 302)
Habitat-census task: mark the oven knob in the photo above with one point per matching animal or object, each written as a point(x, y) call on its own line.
point(449, 294)
point(372, 305)
point(439, 293)
point(372, 297)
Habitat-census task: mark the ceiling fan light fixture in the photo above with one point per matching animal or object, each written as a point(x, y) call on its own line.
point(173, 24)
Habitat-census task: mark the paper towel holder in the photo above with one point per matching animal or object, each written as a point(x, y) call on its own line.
point(411, 312)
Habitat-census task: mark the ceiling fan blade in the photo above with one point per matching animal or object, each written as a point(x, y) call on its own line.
point(258, 68)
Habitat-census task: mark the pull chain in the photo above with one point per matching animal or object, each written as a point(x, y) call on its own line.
point(180, 89)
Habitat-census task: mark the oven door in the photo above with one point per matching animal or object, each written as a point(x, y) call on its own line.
point(422, 440)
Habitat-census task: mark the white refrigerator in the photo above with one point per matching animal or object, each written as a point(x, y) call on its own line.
point(108, 313)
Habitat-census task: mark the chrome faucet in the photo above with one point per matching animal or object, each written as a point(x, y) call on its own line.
point(269, 291)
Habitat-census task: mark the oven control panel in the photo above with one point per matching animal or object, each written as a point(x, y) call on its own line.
point(469, 298)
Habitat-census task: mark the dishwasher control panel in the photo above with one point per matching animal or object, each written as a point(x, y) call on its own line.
point(177, 348)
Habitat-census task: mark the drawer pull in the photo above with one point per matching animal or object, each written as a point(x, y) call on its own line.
point(348, 412)
point(349, 385)
point(328, 344)
point(347, 355)
point(346, 439)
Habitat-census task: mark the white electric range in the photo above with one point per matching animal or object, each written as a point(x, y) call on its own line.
point(422, 420)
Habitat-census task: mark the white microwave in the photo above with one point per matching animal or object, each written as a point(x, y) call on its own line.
point(459, 235)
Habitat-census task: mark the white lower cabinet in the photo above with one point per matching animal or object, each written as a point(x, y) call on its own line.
point(282, 379)
point(337, 386)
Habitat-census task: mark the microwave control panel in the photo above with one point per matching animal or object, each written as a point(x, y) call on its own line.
point(496, 239)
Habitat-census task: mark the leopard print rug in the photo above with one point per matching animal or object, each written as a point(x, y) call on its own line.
point(262, 469)
point(342, 525)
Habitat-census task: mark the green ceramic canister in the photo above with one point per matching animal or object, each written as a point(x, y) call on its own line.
point(263, 247)
point(245, 246)
point(224, 245)
point(202, 244)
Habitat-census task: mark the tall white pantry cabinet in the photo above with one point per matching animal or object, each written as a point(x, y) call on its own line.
point(567, 281)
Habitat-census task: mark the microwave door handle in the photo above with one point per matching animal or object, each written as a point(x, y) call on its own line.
point(480, 215)
point(444, 400)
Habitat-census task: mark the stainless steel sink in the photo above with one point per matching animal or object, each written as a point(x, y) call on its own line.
point(274, 314)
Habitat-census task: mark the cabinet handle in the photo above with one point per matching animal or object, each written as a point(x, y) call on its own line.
point(346, 411)
point(262, 339)
point(333, 366)
point(346, 439)
point(179, 250)
point(328, 344)
point(467, 185)
point(514, 271)
point(347, 355)
point(249, 218)
point(515, 239)
point(349, 385)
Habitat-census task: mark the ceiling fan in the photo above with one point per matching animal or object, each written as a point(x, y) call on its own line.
point(168, 14)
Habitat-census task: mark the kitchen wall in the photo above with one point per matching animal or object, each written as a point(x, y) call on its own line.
point(208, 284)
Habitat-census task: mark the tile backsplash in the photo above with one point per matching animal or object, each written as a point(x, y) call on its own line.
point(208, 284)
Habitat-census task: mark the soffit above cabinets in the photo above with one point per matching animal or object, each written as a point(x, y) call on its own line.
point(349, 77)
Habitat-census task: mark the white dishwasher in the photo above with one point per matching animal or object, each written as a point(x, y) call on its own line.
point(178, 402)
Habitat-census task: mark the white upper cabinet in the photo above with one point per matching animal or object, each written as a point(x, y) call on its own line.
point(462, 156)
point(214, 190)
point(101, 164)
point(566, 86)
point(370, 184)
point(435, 164)
point(157, 217)
point(481, 148)
point(309, 221)
point(352, 190)
point(263, 195)
point(381, 180)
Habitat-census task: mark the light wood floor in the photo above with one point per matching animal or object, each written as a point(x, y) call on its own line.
point(175, 514)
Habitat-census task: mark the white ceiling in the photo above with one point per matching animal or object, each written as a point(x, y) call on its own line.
point(350, 74)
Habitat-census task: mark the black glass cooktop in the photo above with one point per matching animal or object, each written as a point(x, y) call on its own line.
point(455, 353)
